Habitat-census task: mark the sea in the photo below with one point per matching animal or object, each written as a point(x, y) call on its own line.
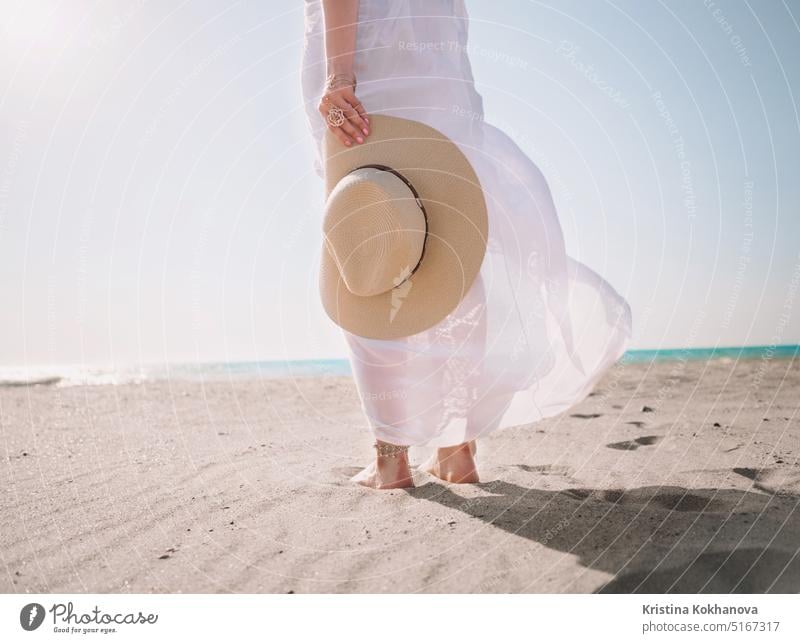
point(86, 375)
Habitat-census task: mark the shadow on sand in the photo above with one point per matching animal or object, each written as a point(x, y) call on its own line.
point(652, 539)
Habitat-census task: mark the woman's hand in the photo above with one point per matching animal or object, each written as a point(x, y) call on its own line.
point(342, 111)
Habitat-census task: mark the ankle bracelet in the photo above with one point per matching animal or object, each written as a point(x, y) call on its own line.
point(390, 450)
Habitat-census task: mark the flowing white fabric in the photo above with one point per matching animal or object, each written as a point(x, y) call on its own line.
point(537, 329)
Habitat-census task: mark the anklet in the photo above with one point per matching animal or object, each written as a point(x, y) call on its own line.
point(390, 450)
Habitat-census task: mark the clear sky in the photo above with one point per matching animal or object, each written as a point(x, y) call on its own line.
point(157, 200)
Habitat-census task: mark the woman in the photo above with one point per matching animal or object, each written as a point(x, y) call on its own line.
point(537, 329)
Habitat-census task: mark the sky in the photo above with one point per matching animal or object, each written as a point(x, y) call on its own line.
point(158, 202)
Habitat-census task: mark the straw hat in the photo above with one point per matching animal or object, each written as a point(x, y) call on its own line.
point(405, 229)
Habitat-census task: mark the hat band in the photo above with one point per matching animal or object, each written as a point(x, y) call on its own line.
point(386, 168)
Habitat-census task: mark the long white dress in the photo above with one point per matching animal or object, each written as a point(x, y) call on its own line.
point(537, 329)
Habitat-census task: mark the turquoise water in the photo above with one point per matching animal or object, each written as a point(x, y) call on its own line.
point(300, 368)
point(75, 375)
point(730, 352)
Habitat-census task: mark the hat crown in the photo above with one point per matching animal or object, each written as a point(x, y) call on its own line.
point(374, 230)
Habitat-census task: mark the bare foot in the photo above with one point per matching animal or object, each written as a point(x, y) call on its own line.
point(386, 473)
point(454, 464)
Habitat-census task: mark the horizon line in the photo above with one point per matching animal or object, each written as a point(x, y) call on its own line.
point(633, 351)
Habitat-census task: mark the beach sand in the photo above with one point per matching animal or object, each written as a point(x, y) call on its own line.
point(242, 486)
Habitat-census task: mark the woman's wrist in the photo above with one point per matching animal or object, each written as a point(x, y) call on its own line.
point(337, 79)
point(340, 69)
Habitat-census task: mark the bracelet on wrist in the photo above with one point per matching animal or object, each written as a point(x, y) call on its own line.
point(337, 80)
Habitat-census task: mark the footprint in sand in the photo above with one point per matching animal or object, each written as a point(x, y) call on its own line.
point(662, 497)
point(632, 445)
point(772, 480)
point(546, 469)
point(555, 470)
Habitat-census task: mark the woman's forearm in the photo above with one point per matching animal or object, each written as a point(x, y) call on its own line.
point(343, 112)
point(341, 20)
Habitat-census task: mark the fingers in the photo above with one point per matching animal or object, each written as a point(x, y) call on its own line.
point(325, 106)
point(341, 127)
point(356, 113)
point(339, 133)
point(355, 128)
point(352, 132)
point(360, 109)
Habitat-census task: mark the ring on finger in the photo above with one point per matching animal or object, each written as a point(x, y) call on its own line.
point(335, 116)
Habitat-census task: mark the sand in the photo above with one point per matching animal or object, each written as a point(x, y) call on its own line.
point(242, 486)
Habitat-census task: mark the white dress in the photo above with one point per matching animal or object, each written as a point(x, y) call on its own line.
point(537, 329)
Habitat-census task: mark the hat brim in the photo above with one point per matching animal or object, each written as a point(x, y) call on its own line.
point(457, 229)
